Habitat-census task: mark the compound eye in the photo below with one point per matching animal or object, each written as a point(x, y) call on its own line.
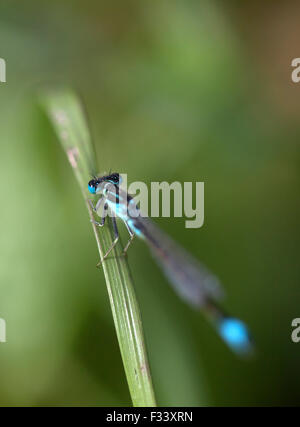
point(92, 186)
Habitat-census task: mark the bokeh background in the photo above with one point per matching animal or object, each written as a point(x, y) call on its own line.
point(174, 91)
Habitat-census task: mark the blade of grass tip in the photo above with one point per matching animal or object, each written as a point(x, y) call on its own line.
point(67, 116)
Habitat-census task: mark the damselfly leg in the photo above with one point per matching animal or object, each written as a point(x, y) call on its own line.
point(96, 207)
point(102, 222)
point(115, 229)
point(131, 234)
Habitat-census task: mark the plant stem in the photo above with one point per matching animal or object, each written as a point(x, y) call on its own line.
point(66, 114)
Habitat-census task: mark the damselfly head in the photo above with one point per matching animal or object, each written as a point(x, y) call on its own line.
point(95, 185)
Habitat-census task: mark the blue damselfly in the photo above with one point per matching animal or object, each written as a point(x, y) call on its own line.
point(190, 279)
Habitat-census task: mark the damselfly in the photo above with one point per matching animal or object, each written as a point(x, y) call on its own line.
point(190, 279)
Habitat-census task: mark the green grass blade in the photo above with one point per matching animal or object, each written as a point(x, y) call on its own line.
point(66, 114)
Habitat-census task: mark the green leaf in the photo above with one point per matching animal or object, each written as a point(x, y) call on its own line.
point(67, 116)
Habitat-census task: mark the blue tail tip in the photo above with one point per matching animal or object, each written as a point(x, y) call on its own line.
point(235, 333)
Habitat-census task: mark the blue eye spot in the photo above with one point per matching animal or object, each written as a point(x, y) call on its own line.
point(92, 189)
point(235, 333)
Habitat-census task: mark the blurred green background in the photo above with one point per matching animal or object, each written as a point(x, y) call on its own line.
point(175, 91)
